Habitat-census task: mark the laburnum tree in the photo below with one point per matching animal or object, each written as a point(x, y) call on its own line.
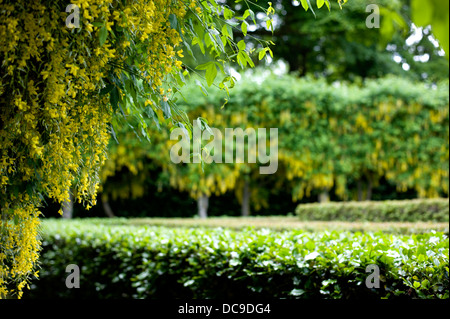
point(66, 72)
point(132, 162)
point(345, 138)
point(333, 141)
point(62, 80)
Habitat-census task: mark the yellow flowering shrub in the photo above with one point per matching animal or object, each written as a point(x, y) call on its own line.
point(61, 86)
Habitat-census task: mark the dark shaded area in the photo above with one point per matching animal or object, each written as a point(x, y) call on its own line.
point(172, 203)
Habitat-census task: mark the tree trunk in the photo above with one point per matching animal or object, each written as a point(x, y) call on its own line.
point(106, 208)
point(68, 207)
point(245, 209)
point(324, 196)
point(202, 203)
point(360, 190)
point(369, 189)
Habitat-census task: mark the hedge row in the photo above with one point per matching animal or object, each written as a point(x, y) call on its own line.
point(158, 262)
point(435, 210)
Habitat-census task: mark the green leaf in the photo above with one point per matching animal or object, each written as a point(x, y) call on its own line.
point(310, 6)
point(252, 15)
point(312, 255)
point(204, 66)
point(173, 21)
point(304, 4)
point(422, 12)
point(441, 32)
point(180, 78)
point(269, 24)
point(262, 53)
point(202, 88)
point(166, 109)
point(227, 13)
point(211, 73)
point(249, 60)
point(103, 34)
point(230, 32)
point(244, 28)
point(297, 292)
point(199, 42)
point(241, 45)
point(225, 30)
point(98, 24)
point(320, 3)
point(188, 48)
point(199, 31)
point(209, 41)
point(242, 59)
point(130, 89)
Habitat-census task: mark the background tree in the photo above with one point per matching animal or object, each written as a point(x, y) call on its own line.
point(341, 142)
point(340, 46)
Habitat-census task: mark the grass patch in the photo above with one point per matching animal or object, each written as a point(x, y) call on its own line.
point(278, 223)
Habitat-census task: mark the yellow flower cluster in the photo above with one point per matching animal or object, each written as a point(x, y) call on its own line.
point(54, 123)
point(21, 230)
point(128, 155)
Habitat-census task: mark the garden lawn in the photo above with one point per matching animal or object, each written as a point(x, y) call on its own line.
point(278, 223)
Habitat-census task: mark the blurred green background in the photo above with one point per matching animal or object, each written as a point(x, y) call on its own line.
point(367, 106)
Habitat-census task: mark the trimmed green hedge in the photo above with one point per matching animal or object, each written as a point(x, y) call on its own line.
point(158, 262)
point(435, 210)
